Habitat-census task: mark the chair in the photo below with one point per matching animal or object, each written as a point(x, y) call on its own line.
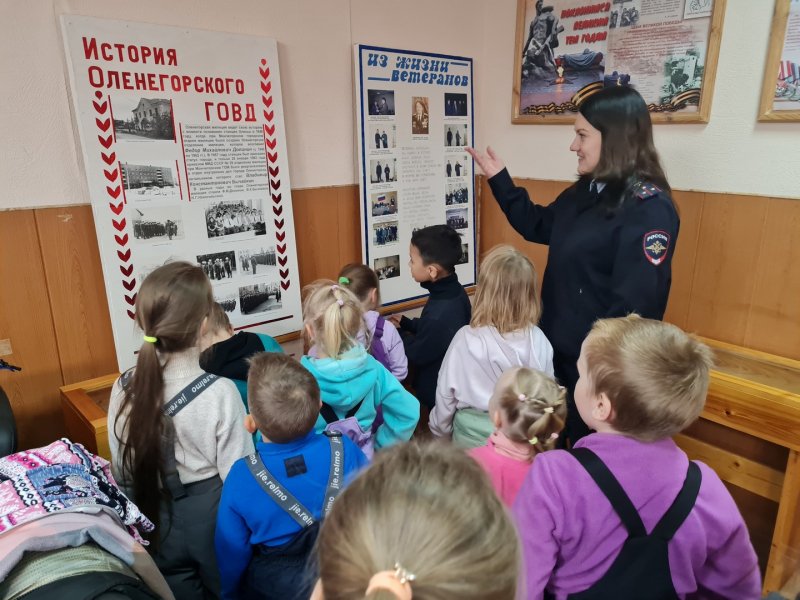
point(8, 426)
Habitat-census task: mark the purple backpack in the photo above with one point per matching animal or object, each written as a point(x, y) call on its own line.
point(349, 427)
point(376, 347)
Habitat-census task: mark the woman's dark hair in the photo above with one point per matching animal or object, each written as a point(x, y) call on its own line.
point(170, 306)
point(628, 154)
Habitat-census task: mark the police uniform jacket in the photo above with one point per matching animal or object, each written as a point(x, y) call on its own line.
point(602, 262)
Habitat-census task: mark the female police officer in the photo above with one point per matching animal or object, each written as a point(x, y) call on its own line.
point(611, 234)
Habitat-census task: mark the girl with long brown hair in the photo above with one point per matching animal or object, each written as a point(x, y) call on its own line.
point(611, 234)
point(174, 430)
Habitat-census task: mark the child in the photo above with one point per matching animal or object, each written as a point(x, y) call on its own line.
point(385, 343)
point(434, 252)
point(353, 383)
point(423, 521)
point(168, 396)
point(502, 334)
point(641, 382)
point(262, 549)
point(528, 412)
point(226, 354)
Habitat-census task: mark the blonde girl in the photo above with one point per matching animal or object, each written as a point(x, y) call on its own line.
point(173, 466)
point(381, 337)
point(502, 334)
point(527, 409)
point(422, 522)
point(353, 384)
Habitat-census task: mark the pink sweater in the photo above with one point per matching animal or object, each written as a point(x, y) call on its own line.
point(506, 463)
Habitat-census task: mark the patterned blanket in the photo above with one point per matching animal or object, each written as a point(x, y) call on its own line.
point(62, 476)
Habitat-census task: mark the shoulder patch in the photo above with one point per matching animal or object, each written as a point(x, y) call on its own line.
point(655, 245)
point(644, 190)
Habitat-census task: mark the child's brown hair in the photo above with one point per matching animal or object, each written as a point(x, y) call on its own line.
point(654, 374)
point(534, 408)
point(283, 397)
point(218, 319)
point(431, 509)
point(360, 280)
point(507, 296)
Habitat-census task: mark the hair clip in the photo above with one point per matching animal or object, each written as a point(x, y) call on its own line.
point(522, 397)
point(403, 575)
point(398, 582)
point(150, 339)
point(549, 410)
point(533, 441)
point(334, 287)
point(340, 302)
point(554, 436)
point(344, 281)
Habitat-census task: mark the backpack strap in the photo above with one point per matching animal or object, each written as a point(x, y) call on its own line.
point(330, 416)
point(285, 500)
point(379, 325)
point(612, 490)
point(681, 506)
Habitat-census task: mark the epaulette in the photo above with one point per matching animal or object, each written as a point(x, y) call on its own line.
point(644, 190)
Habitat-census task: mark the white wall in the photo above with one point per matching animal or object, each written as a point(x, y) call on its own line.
point(732, 153)
point(40, 165)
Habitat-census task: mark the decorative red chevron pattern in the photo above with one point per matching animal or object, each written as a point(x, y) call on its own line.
point(270, 146)
point(113, 181)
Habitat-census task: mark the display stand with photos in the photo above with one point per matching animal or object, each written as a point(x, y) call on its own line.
point(567, 50)
point(780, 93)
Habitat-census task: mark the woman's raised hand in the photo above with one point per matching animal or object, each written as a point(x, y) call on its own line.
point(489, 163)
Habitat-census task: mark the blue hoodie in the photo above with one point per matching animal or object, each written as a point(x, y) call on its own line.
point(356, 376)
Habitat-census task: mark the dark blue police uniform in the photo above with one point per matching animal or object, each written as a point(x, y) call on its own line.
point(604, 261)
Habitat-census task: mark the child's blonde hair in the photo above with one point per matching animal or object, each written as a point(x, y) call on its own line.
point(335, 316)
point(431, 509)
point(507, 296)
point(654, 374)
point(533, 406)
point(360, 280)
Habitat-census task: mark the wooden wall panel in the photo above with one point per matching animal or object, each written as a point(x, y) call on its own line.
point(690, 206)
point(26, 320)
point(348, 199)
point(773, 323)
point(77, 292)
point(731, 229)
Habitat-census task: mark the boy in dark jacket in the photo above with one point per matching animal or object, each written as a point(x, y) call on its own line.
point(434, 252)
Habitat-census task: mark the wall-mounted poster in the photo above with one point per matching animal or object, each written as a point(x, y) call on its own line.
point(185, 155)
point(415, 116)
point(569, 49)
point(780, 93)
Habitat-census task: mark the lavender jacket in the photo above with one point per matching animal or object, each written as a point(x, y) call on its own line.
point(571, 535)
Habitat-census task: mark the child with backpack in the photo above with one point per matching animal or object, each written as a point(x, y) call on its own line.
point(353, 384)
point(527, 409)
point(384, 342)
point(175, 430)
point(625, 514)
point(273, 500)
point(502, 334)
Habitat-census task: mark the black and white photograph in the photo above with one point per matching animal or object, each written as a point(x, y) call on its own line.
point(233, 217)
point(682, 72)
point(419, 116)
point(156, 224)
point(228, 302)
point(455, 105)
point(384, 233)
point(257, 261)
point(456, 167)
point(381, 137)
point(260, 297)
point(219, 265)
point(383, 170)
point(150, 264)
point(457, 218)
point(387, 267)
point(381, 102)
point(455, 135)
point(384, 203)
point(153, 180)
point(457, 193)
point(629, 13)
point(141, 119)
point(464, 259)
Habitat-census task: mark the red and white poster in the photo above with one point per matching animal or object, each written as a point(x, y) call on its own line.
point(184, 148)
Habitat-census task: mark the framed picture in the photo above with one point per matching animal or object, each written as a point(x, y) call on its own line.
point(567, 50)
point(780, 93)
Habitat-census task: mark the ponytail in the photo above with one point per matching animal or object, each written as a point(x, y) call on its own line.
point(535, 409)
point(334, 315)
